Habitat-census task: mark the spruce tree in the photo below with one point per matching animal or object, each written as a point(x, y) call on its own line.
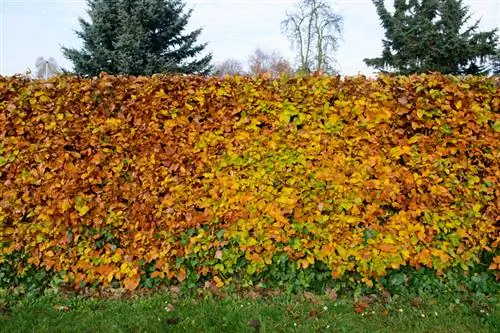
point(138, 37)
point(431, 35)
point(495, 63)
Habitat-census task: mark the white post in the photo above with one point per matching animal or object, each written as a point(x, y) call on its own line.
point(46, 69)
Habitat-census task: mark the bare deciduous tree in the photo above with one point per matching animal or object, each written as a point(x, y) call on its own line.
point(228, 67)
point(271, 62)
point(315, 30)
point(46, 68)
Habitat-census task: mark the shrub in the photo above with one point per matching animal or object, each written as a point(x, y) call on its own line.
point(113, 179)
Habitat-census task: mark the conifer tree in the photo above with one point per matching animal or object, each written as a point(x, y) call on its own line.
point(432, 35)
point(138, 37)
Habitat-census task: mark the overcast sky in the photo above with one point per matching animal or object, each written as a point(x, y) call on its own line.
point(233, 29)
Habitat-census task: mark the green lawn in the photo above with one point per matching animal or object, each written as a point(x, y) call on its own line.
point(164, 312)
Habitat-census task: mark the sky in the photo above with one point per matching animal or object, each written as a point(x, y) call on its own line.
point(232, 28)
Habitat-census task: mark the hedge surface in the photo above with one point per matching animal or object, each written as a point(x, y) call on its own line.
point(110, 179)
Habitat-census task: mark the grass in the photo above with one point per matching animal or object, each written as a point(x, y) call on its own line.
point(167, 312)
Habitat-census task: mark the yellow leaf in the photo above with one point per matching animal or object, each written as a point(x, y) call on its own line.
point(218, 282)
point(477, 207)
point(388, 240)
point(341, 251)
point(51, 125)
point(65, 205)
point(82, 210)
point(116, 257)
point(124, 268)
point(405, 254)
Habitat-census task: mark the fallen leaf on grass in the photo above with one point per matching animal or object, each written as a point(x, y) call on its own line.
point(270, 293)
point(255, 323)
point(252, 294)
point(360, 306)
point(369, 299)
point(385, 296)
point(175, 290)
point(313, 313)
point(172, 321)
point(3, 309)
point(332, 295)
point(61, 307)
point(169, 308)
point(416, 302)
point(311, 297)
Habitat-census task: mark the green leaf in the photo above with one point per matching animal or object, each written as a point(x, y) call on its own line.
point(496, 126)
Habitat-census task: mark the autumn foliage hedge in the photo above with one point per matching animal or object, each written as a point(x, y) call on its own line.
point(109, 179)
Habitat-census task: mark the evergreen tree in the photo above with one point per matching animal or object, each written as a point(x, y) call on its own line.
point(138, 37)
point(430, 35)
point(495, 63)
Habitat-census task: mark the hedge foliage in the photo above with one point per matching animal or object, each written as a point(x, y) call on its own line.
point(112, 179)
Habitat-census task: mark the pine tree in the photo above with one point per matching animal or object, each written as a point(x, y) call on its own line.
point(431, 35)
point(138, 37)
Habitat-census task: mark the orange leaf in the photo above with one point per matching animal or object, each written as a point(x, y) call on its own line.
point(181, 276)
point(360, 306)
point(159, 264)
point(157, 274)
point(131, 283)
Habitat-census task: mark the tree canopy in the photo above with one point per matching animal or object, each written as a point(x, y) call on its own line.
point(138, 37)
point(432, 35)
point(314, 30)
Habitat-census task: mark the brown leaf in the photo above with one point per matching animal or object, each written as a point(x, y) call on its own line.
point(385, 296)
point(313, 313)
point(416, 302)
point(402, 110)
point(360, 306)
point(252, 294)
point(403, 100)
point(369, 299)
point(255, 323)
point(61, 307)
point(169, 308)
point(175, 290)
point(332, 295)
point(172, 321)
point(270, 293)
point(214, 289)
point(311, 297)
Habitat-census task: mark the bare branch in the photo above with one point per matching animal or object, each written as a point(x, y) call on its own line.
point(314, 30)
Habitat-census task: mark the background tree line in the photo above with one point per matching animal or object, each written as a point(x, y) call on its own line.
point(143, 37)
